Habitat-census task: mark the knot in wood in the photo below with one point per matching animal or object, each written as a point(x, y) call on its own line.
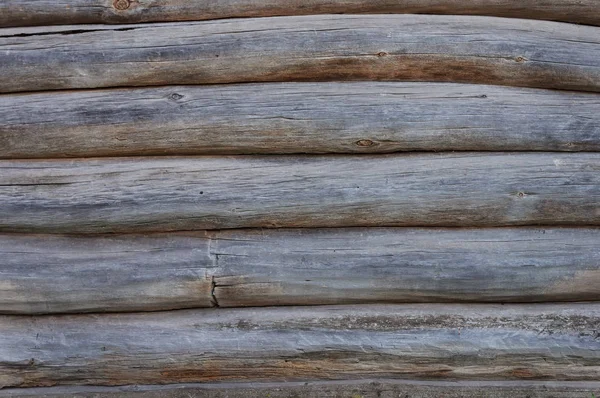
point(382, 54)
point(365, 143)
point(520, 59)
point(121, 4)
point(175, 96)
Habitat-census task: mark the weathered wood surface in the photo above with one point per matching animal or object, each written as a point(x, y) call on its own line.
point(48, 274)
point(364, 388)
point(405, 265)
point(558, 342)
point(195, 193)
point(36, 12)
point(341, 47)
point(57, 274)
point(355, 117)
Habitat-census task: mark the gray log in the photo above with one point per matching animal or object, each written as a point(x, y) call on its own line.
point(36, 12)
point(360, 117)
point(196, 193)
point(49, 274)
point(330, 266)
point(340, 47)
point(557, 342)
point(53, 274)
point(363, 388)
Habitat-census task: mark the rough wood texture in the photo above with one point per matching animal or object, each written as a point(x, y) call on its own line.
point(54, 274)
point(186, 193)
point(557, 342)
point(364, 388)
point(382, 47)
point(47, 274)
point(360, 117)
point(405, 265)
point(36, 12)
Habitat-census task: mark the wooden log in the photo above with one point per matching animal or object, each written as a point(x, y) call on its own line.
point(358, 117)
point(53, 274)
point(331, 47)
point(35, 12)
point(363, 388)
point(558, 342)
point(57, 274)
point(332, 266)
point(195, 193)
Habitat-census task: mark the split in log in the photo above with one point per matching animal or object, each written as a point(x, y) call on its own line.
point(363, 388)
point(359, 117)
point(339, 47)
point(58, 274)
point(197, 193)
point(420, 341)
point(35, 12)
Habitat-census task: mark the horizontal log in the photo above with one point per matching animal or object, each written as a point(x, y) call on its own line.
point(405, 265)
point(35, 12)
point(196, 193)
point(57, 274)
point(360, 117)
point(339, 47)
point(53, 274)
point(363, 388)
point(558, 342)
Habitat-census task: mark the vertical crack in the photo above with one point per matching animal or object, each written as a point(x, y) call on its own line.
point(213, 299)
point(215, 263)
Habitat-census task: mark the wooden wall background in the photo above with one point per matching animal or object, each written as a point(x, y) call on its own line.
point(303, 191)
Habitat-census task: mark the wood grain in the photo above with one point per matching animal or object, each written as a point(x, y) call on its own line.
point(36, 12)
point(354, 117)
point(557, 342)
point(363, 388)
point(370, 265)
point(57, 274)
point(196, 193)
point(52, 274)
point(331, 47)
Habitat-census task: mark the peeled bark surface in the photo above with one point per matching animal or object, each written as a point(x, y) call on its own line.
point(197, 193)
point(56, 274)
point(354, 117)
point(36, 12)
point(327, 47)
point(557, 342)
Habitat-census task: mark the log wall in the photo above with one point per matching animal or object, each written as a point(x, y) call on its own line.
point(198, 194)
